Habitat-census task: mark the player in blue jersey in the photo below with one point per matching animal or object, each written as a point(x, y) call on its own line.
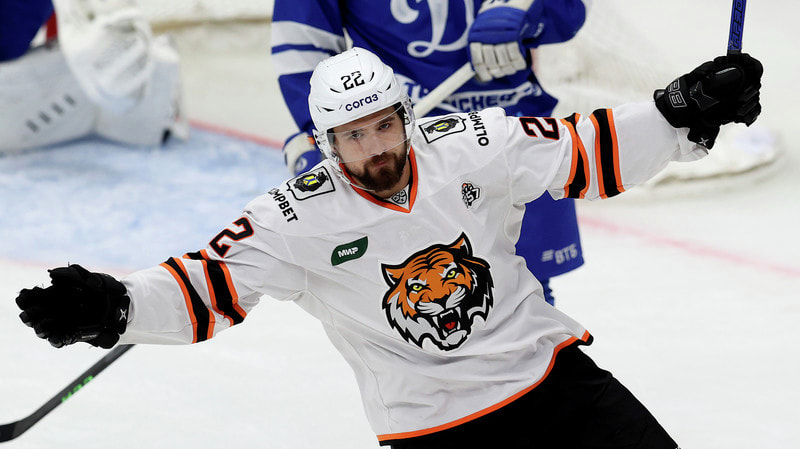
point(426, 42)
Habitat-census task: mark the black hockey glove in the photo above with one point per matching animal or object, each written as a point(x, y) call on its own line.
point(78, 306)
point(715, 93)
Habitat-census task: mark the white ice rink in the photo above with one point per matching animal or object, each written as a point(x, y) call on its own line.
point(692, 294)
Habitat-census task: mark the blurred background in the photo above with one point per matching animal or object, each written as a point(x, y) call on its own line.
point(690, 285)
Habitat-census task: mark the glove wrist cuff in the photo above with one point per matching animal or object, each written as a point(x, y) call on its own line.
point(522, 5)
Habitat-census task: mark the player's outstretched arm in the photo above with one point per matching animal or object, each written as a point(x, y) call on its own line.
point(78, 306)
point(612, 150)
point(717, 92)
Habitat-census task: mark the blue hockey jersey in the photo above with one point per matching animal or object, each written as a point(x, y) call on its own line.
point(425, 42)
point(19, 23)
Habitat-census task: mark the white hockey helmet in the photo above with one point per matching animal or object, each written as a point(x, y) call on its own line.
point(351, 85)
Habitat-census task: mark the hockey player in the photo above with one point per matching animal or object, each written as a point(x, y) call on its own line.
point(426, 42)
point(106, 75)
point(402, 244)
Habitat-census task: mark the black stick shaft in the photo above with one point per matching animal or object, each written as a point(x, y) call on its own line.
point(12, 430)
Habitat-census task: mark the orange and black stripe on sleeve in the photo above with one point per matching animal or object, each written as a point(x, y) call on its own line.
point(224, 298)
point(578, 182)
point(201, 317)
point(606, 148)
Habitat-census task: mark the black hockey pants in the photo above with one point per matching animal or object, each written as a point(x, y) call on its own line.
point(578, 406)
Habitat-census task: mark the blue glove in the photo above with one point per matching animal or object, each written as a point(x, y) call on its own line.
point(495, 38)
point(300, 153)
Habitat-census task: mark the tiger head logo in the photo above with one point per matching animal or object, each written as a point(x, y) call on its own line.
point(437, 293)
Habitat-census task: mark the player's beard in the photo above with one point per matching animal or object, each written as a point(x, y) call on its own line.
point(379, 179)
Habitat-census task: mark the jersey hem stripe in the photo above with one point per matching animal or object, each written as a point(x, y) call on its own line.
point(417, 433)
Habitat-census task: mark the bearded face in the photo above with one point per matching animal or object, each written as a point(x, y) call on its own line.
point(379, 173)
point(373, 150)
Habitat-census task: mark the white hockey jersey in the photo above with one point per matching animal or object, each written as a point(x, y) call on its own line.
point(422, 295)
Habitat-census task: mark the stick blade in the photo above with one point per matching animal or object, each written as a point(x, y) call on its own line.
point(11, 430)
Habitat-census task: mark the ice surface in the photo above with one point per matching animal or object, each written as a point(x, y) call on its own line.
point(692, 295)
point(118, 206)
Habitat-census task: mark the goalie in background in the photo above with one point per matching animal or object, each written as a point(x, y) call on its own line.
point(102, 73)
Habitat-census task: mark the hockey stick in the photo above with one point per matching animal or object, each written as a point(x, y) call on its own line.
point(12, 430)
point(465, 73)
point(737, 27)
point(444, 90)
